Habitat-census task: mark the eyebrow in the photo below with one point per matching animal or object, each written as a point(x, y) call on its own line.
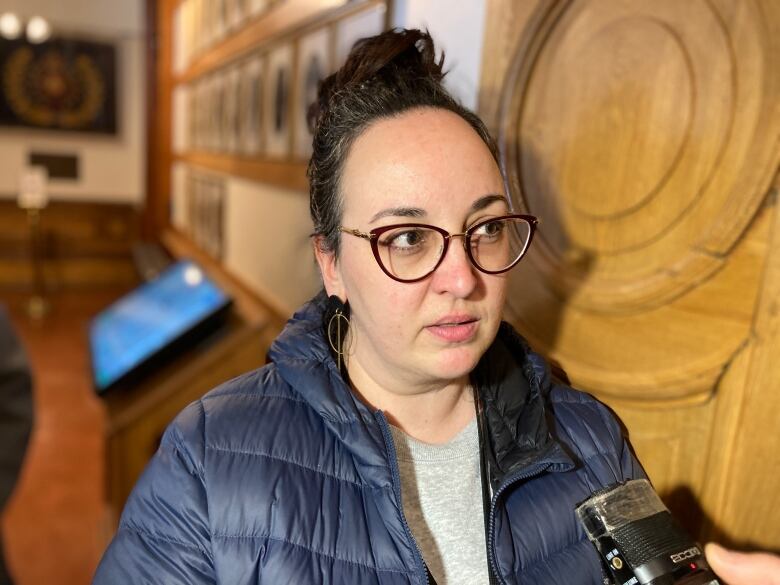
point(478, 205)
point(399, 212)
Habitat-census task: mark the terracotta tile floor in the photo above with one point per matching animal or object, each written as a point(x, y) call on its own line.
point(56, 526)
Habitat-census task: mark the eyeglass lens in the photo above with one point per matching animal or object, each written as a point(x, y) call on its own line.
point(412, 252)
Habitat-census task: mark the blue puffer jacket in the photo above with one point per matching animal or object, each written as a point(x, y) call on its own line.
point(283, 476)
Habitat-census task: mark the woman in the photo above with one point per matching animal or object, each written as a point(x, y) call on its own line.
point(400, 433)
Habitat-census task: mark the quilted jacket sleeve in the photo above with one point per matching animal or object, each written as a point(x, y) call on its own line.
point(163, 535)
point(630, 468)
point(592, 432)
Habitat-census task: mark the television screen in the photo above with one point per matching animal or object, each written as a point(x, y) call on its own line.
point(143, 325)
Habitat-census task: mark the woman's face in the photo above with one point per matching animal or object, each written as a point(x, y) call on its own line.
point(425, 166)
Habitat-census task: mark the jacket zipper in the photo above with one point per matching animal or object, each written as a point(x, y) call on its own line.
point(396, 475)
point(527, 473)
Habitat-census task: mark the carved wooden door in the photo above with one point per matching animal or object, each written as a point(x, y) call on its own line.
point(645, 135)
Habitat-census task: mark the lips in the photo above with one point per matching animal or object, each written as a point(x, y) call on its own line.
point(455, 328)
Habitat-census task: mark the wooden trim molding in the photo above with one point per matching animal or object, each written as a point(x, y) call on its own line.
point(289, 18)
point(282, 173)
point(159, 15)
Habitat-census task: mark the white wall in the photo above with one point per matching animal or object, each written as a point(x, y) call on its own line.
point(112, 17)
point(112, 169)
point(266, 233)
point(457, 27)
point(267, 243)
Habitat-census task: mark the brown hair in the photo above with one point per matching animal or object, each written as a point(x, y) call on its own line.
point(384, 76)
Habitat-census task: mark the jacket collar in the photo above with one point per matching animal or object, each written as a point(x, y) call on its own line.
point(511, 379)
point(513, 382)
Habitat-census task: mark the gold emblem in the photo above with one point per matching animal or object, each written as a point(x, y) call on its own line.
point(49, 91)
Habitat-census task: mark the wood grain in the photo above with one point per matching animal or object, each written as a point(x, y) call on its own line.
point(282, 173)
point(645, 135)
point(158, 112)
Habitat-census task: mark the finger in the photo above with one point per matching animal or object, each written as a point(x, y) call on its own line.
point(743, 568)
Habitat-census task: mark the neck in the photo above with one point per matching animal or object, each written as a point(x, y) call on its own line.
point(432, 413)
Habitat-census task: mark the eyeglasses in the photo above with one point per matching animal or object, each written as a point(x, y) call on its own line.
point(409, 252)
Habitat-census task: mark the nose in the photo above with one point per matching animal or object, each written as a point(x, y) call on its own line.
point(456, 274)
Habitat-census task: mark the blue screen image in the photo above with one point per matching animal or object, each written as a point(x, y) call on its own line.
point(149, 318)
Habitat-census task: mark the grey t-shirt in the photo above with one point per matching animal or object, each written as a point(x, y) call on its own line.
point(442, 500)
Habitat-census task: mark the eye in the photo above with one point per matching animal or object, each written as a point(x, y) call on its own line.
point(490, 230)
point(405, 239)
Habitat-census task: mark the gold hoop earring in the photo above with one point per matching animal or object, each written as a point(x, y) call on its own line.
point(342, 324)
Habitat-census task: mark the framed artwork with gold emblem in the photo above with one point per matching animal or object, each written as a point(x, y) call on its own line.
point(67, 85)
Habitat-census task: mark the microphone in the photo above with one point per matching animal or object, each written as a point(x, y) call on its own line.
point(639, 541)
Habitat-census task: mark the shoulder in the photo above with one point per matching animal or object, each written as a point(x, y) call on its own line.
point(233, 407)
point(592, 434)
point(583, 416)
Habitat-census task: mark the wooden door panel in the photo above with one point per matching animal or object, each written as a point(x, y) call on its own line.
point(644, 134)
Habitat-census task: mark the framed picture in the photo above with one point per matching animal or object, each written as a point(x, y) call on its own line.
point(180, 185)
point(221, 19)
point(59, 85)
point(204, 24)
point(314, 64)
point(215, 204)
point(195, 120)
point(216, 110)
point(235, 14)
point(231, 121)
point(180, 119)
point(279, 67)
point(251, 106)
point(191, 195)
point(198, 112)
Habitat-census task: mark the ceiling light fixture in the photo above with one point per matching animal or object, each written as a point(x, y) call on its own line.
point(38, 30)
point(10, 26)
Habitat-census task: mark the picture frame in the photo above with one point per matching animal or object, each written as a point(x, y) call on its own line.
point(251, 106)
point(64, 84)
point(277, 107)
point(314, 63)
point(231, 118)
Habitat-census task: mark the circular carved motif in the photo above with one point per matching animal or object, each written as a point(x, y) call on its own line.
point(624, 127)
point(617, 132)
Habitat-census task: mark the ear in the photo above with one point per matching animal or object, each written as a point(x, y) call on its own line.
point(329, 269)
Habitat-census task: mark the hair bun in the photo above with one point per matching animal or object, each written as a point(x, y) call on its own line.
point(390, 58)
point(384, 76)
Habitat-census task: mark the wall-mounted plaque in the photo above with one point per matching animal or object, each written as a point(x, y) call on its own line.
point(58, 85)
point(58, 166)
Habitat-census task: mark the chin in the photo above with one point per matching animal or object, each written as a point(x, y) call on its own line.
point(456, 362)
